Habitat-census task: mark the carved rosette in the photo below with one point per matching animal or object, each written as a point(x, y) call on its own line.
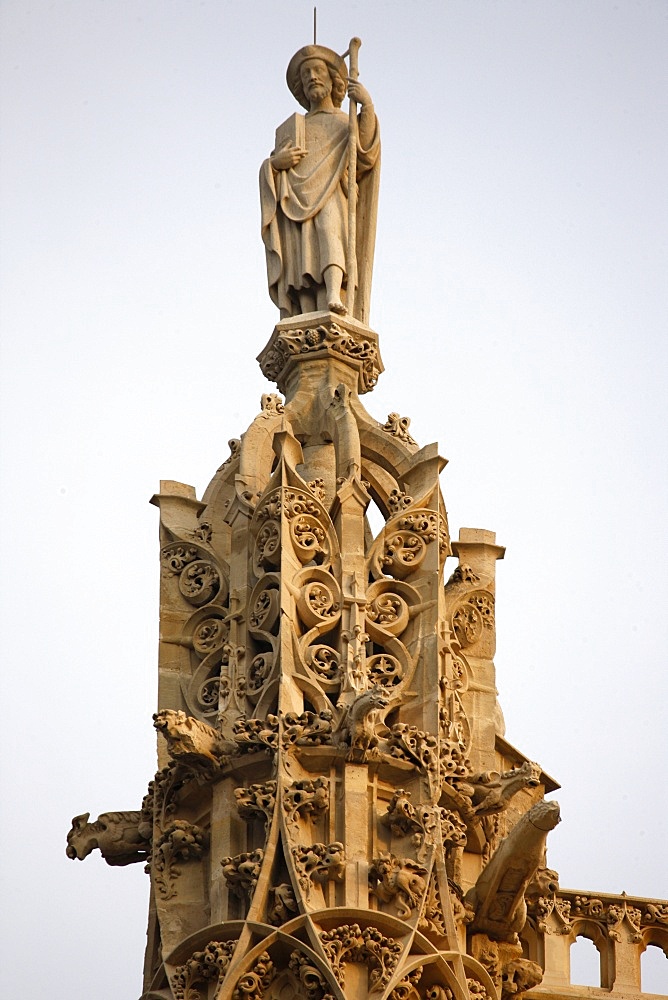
point(473, 621)
point(401, 548)
point(200, 578)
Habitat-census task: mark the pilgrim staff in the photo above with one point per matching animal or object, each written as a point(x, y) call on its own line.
point(351, 250)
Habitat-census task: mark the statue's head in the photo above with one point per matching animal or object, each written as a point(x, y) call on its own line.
point(312, 55)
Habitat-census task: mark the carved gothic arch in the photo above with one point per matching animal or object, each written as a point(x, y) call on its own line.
point(591, 929)
point(657, 936)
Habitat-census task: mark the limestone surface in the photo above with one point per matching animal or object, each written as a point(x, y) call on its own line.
point(336, 811)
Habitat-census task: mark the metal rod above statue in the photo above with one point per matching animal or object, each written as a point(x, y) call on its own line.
point(319, 190)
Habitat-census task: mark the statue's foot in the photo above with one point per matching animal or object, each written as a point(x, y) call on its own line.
point(335, 305)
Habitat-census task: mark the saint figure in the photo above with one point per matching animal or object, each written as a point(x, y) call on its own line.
point(304, 191)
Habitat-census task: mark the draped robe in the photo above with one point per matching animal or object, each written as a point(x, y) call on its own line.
point(305, 214)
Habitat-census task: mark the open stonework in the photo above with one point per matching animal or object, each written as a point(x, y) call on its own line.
point(336, 812)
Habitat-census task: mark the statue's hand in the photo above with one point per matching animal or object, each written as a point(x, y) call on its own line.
point(287, 156)
point(358, 93)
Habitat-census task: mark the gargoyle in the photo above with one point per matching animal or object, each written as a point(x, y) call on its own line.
point(491, 791)
point(498, 895)
point(398, 880)
point(116, 835)
point(190, 741)
point(359, 730)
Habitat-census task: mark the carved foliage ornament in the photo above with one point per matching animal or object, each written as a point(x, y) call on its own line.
point(309, 977)
point(209, 965)
point(252, 985)
point(349, 943)
point(610, 914)
point(243, 871)
point(328, 338)
point(326, 662)
point(234, 444)
point(398, 427)
point(258, 673)
point(319, 863)
point(406, 990)
point(308, 797)
point(308, 729)
point(181, 841)
point(264, 608)
point(256, 800)
point(251, 735)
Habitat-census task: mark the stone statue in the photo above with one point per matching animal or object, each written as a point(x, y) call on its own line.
point(304, 192)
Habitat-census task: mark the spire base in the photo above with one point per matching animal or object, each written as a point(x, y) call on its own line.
point(321, 335)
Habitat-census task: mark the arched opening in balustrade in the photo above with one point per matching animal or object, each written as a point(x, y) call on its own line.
point(654, 961)
point(585, 963)
point(592, 958)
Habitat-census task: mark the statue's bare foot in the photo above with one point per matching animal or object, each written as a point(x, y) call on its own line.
point(336, 306)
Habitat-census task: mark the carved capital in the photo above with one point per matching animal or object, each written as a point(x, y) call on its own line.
point(342, 339)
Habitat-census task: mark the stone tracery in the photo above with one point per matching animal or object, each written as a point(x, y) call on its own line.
point(332, 789)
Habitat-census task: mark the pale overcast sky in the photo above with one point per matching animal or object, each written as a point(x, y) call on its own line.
point(520, 297)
